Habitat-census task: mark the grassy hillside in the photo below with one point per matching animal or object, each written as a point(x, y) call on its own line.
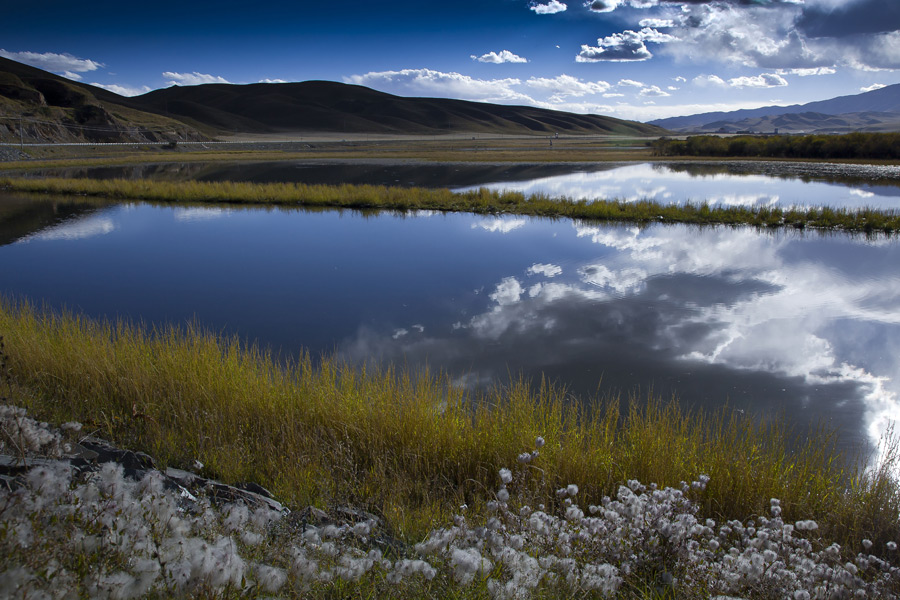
point(37, 106)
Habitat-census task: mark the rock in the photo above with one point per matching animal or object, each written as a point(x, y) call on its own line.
point(254, 488)
point(106, 452)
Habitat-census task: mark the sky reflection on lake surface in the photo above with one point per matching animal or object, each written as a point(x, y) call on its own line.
point(740, 184)
point(805, 324)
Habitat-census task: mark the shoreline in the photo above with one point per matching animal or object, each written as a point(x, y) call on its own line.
point(480, 201)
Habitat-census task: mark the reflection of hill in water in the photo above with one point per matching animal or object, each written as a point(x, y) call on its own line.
point(373, 172)
point(456, 175)
point(21, 217)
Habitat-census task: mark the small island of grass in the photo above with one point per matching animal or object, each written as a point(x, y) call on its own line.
point(481, 201)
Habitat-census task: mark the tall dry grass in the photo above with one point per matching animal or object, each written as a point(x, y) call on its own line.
point(410, 446)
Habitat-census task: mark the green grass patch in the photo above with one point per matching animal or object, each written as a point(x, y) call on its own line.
point(410, 446)
point(482, 201)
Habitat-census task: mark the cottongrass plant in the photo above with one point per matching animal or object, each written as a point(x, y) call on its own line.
point(65, 534)
point(411, 447)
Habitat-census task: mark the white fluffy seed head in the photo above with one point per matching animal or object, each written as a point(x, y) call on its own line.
point(505, 475)
point(539, 442)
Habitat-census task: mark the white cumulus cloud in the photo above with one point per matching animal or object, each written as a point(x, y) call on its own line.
point(194, 78)
point(54, 62)
point(565, 86)
point(550, 8)
point(872, 88)
point(626, 46)
point(123, 90)
point(446, 85)
point(653, 91)
point(765, 80)
point(504, 56)
point(50, 61)
point(704, 80)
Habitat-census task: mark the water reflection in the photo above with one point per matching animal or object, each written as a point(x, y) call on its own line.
point(731, 184)
point(769, 323)
point(24, 217)
point(804, 324)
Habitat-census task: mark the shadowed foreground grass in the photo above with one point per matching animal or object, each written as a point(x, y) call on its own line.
point(479, 201)
point(410, 446)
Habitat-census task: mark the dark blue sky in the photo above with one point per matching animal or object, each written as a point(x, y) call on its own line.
point(638, 59)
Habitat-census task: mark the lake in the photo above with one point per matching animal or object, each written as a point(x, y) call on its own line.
point(803, 324)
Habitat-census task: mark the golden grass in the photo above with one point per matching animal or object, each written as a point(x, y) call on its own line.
point(409, 445)
point(483, 201)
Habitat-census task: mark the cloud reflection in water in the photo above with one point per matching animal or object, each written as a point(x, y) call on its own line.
point(75, 229)
point(810, 185)
point(769, 322)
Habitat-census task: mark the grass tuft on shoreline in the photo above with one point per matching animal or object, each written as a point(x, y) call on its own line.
point(482, 201)
point(410, 446)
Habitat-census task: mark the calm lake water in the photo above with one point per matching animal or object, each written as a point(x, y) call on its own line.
point(804, 324)
point(729, 183)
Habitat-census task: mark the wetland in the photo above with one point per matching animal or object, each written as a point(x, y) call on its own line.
point(787, 323)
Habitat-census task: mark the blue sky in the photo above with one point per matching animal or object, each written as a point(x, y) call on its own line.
point(633, 59)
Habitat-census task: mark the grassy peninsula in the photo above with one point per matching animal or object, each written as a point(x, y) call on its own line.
point(373, 197)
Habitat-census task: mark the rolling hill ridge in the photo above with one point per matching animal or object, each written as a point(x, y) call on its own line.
point(326, 106)
point(39, 106)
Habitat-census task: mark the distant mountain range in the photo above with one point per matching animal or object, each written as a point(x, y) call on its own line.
point(878, 110)
point(37, 105)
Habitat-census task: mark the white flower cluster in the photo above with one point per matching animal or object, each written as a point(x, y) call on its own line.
point(140, 538)
point(69, 535)
point(654, 535)
point(22, 435)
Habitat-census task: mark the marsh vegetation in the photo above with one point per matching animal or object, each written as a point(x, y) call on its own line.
point(760, 517)
point(481, 201)
point(859, 146)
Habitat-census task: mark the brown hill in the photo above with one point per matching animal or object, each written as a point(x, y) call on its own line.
point(326, 106)
point(37, 106)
